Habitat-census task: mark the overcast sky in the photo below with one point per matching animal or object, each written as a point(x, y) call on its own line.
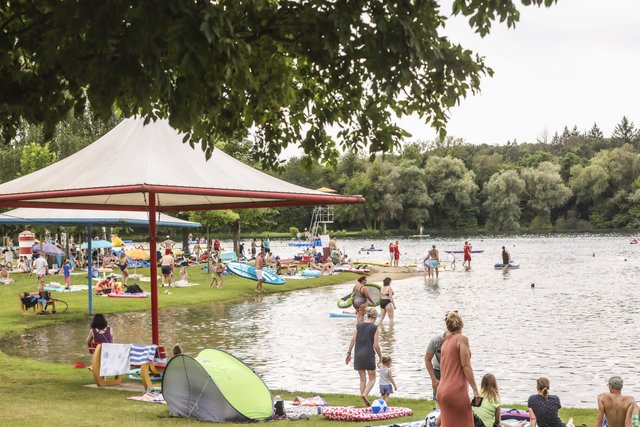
point(575, 63)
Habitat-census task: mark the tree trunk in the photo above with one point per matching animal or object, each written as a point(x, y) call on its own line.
point(185, 243)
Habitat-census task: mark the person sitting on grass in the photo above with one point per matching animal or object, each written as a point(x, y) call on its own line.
point(613, 406)
point(489, 409)
point(543, 407)
point(104, 286)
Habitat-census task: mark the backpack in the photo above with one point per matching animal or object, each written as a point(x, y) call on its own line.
point(134, 289)
point(28, 300)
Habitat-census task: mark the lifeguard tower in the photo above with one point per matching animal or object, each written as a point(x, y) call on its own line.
point(321, 216)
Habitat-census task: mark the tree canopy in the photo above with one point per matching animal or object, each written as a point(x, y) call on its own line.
point(286, 70)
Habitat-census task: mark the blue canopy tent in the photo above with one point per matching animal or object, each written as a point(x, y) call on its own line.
point(36, 216)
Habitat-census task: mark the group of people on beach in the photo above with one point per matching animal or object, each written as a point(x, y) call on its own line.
point(448, 363)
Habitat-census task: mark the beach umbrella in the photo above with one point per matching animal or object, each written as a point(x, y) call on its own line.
point(47, 248)
point(98, 244)
point(137, 255)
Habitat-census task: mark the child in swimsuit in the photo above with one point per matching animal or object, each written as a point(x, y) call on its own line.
point(217, 275)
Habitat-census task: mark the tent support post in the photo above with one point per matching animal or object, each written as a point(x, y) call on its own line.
point(90, 268)
point(153, 269)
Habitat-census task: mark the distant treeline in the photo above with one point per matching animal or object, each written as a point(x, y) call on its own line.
point(573, 180)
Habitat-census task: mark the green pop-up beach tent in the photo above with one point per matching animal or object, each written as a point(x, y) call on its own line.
point(215, 386)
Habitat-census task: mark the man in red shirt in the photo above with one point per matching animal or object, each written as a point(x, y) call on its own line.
point(467, 255)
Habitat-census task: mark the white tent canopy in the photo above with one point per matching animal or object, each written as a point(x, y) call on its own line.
point(118, 170)
point(79, 217)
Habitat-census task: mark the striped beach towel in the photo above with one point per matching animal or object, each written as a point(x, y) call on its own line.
point(140, 354)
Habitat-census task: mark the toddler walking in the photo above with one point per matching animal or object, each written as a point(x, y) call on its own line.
point(386, 379)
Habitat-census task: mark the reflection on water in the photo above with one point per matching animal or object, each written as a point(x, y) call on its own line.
point(578, 326)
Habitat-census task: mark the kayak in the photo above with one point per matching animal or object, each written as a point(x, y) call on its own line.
point(456, 251)
point(371, 249)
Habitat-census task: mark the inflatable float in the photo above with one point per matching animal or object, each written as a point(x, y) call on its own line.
point(512, 264)
point(249, 272)
point(125, 295)
point(634, 241)
point(374, 291)
point(350, 413)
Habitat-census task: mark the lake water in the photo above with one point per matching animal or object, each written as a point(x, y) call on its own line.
point(578, 326)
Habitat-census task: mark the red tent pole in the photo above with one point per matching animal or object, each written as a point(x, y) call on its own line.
point(153, 267)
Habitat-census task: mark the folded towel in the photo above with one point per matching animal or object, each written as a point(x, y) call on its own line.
point(140, 354)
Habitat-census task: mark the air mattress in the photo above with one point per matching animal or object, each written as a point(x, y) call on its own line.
point(249, 272)
point(350, 413)
point(125, 295)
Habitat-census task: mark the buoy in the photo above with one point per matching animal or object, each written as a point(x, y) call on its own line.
point(533, 285)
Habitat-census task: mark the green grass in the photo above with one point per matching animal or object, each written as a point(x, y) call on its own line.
point(35, 392)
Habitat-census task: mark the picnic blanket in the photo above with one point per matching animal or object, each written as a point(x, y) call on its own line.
point(294, 411)
point(184, 284)
point(351, 413)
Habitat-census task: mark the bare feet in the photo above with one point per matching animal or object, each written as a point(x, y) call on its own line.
point(365, 400)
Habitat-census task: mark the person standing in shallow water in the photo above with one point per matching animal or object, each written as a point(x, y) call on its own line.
point(366, 340)
point(506, 258)
point(466, 263)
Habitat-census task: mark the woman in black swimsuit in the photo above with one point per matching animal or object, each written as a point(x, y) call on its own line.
point(123, 263)
point(387, 303)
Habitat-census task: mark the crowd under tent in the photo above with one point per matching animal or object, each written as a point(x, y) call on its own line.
point(61, 217)
point(156, 172)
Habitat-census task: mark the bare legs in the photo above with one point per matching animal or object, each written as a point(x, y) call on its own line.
point(366, 384)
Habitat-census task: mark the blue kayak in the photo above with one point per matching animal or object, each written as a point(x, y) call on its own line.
point(249, 272)
point(460, 251)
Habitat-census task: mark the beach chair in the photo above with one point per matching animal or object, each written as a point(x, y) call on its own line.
point(29, 309)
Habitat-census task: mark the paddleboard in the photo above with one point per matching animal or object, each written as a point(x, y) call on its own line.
point(249, 272)
point(370, 250)
point(377, 264)
point(512, 264)
point(374, 291)
point(424, 236)
point(304, 243)
point(456, 251)
point(350, 269)
point(344, 314)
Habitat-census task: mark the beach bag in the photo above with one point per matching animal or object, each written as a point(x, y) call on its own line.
point(134, 289)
